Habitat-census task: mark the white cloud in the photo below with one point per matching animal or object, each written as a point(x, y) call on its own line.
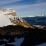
point(2, 2)
point(29, 6)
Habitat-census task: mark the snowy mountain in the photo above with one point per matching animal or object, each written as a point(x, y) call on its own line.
point(8, 17)
point(40, 15)
point(5, 15)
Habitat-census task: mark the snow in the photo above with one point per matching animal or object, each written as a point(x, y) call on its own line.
point(18, 41)
point(21, 19)
point(7, 10)
point(30, 16)
point(40, 15)
point(4, 19)
point(38, 26)
point(43, 44)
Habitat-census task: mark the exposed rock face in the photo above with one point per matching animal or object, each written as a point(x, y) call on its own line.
point(8, 17)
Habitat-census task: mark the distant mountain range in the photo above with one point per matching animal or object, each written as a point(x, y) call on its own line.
point(40, 15)
point(36, 20)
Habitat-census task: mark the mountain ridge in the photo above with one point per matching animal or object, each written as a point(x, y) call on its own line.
point(8, 17)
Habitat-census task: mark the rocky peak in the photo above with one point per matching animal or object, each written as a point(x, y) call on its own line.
point(7, 10)
point(8, 17)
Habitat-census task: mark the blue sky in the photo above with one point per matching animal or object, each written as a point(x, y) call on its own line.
point(25, 7)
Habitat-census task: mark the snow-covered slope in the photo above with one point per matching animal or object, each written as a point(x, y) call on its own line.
point(8, 17)
point(5, 14)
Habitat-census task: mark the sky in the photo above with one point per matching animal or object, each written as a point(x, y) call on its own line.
point(25, 8)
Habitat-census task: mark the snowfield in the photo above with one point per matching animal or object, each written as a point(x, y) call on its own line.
point(4, 18)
